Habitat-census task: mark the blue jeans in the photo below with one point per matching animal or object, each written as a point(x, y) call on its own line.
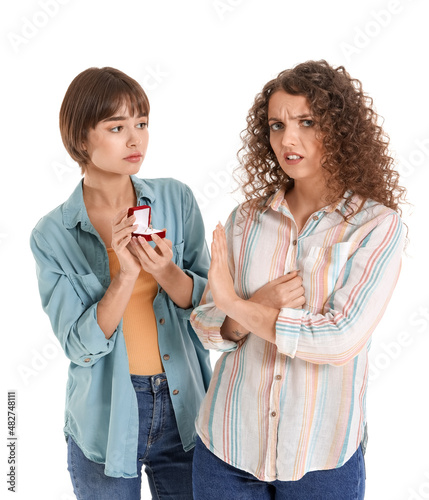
point(167, 465)
point(213, 479)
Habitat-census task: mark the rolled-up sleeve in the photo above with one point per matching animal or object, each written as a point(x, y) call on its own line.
point(207, 320)
point(355, 307)
point(70, 301)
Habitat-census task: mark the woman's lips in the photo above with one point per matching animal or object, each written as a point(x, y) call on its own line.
point(292, 158)
point(134, 158)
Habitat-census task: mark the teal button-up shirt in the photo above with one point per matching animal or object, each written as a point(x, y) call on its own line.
point(73, 273)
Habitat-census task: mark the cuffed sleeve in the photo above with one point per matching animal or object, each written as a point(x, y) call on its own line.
point(90, 336)
point(207, 320)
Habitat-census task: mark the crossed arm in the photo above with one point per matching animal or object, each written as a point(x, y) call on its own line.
point(257, 314)
point(336, 334)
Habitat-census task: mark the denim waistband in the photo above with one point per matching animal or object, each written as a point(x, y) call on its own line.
point(149, 382)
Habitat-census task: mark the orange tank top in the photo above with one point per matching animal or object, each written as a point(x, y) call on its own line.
point(139, 323)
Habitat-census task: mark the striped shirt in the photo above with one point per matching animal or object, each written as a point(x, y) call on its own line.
point(280, 410)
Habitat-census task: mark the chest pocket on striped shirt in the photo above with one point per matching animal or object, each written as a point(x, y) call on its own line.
point(322, 267)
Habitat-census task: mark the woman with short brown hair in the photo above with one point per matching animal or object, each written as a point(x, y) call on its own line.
point(120, 305)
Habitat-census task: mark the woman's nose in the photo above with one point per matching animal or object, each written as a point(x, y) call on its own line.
point(289, 137)
point(134, 138)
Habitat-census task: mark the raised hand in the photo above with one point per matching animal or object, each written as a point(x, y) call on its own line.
point(220, 280)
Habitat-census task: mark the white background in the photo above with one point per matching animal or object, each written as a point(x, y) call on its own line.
point(201, 63)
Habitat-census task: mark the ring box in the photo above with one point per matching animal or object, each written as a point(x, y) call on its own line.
point(142, 214)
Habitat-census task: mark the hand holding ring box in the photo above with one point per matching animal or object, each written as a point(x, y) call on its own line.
point(143, 220)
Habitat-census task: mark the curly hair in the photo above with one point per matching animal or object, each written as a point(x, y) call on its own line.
point(355, 146)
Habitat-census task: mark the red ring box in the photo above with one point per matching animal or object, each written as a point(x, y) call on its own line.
point(142, 214)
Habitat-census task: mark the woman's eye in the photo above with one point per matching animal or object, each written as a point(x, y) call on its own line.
point(116, 129)
point(142, 125)
point(275, 126)
point(307, 123)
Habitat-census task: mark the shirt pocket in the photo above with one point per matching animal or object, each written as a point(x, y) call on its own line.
point(322, 268)
point(87, 287)
point(178, 253)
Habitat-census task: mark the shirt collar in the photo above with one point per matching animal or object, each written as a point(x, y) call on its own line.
point(348, 204)
point(143, 190)
point(74, 210)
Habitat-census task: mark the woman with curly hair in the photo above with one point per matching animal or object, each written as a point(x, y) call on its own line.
point(299, 279)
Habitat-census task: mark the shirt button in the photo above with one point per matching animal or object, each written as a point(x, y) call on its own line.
point(294, 242)
point(87, 360)
point(273, 414)
point(175, 392)
point(162, 321)
point(315, 217)
point(166, 357)
point(278, 377)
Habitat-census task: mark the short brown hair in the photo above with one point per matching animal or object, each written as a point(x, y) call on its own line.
point(94, 95)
